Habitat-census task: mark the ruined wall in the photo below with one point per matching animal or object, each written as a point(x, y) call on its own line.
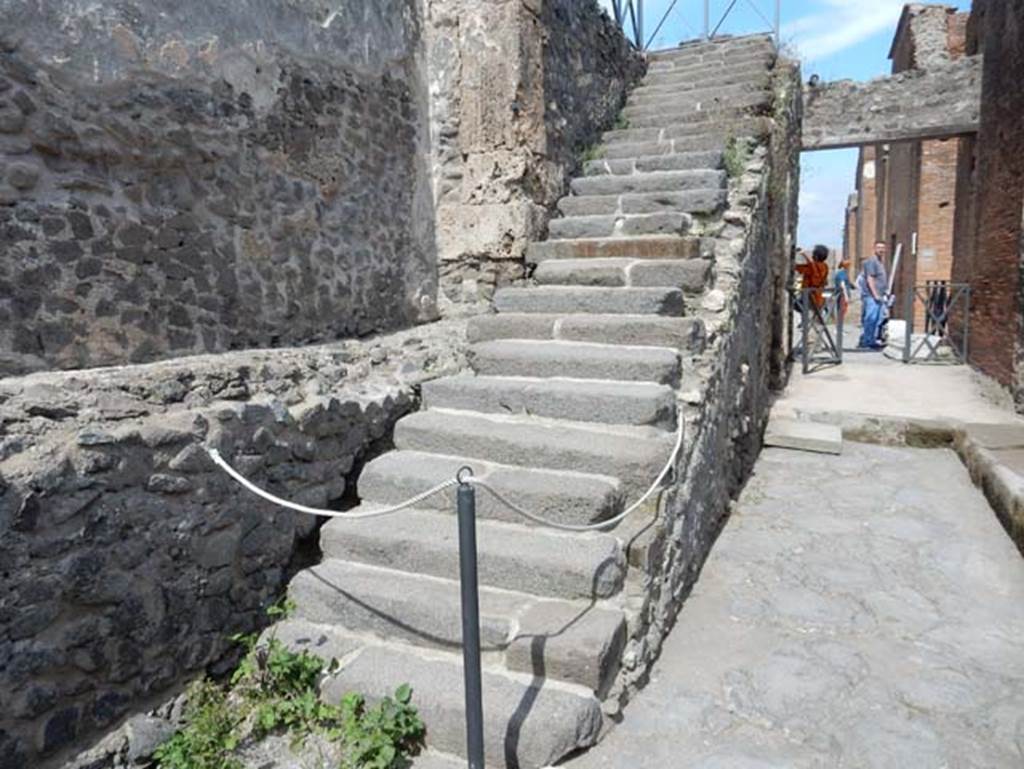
point(207, 176)
point(728, 386)
point(527, 85)
point(127, 559)
point(989, 231)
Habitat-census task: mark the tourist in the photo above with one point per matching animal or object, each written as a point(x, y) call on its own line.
point(873, 287)
point(815, 274)
point(843, 288)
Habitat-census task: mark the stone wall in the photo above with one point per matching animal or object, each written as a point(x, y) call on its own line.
point(991, 186)
point(208, 176)
point(127, 559)
point(728, 387)
point(940, 102)
point(527, 85)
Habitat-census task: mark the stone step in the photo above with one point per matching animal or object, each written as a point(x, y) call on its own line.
point(576, 360)
point(426, 611)
point(665, 115)
point(662, 181)
point(582, 400)
point(637, 330)
point(709, 160)
point(562, 496)
point(634, 455)
point(694, 93)
point(691, 275)
point(589, 299)
point(650, 247)
point(620, 225)
point(719, 45)
point(757, 75)
point(528, 723)
point(696, 124)
point(706, 66)
point(707, 141)
point(700, 201)
point(542, 562)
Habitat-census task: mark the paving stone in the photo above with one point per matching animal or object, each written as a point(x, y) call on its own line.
point(562, 496)
point(995, 436)
point(538, 358)
point(546, 563)
point(634, 455)
point(698, 201)
point(578, 643)
point(805, 436)
point(524, 725)
point(587, 299)
point(636, 248)
point(652, 182)
point(628, 403)
point(644, 330)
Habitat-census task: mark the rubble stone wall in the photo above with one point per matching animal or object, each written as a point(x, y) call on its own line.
point(127, 559)
point(208, 176)
point(728, 387)
point(527, 85)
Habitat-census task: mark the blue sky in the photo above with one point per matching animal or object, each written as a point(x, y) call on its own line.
point(835, 39)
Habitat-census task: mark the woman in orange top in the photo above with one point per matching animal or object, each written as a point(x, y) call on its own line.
point(815, 274)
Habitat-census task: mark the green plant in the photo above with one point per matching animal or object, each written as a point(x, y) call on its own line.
point(621, 122)
point(593, 152)
point(209, 736)
point(735, 156)
point(275, 690)
point(378, 737)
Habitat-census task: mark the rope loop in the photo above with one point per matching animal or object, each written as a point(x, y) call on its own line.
point(464, 476)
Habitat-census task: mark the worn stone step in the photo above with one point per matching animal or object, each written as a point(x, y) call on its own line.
point(589, 299)
point(707, 66)
point(583, 400)
point(620, 225)
point(731, 123)
point(562, 496)
point(712, 140)
point(426, 611)
point(700, 201)
point(649, 247)
point(661, 181)
point(664, 115)
point(542, 562)
point(540, 357)
point(528, 724)
point(637, 330)
point(685, 161)
point(691, 275)
point(756, 75)
point(673, 96)
point(634, 455)
point(720, 45)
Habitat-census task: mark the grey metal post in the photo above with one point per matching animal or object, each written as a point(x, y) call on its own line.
point(804, 323)
point(470, 625)
point(840, 323)
point(778, 18)
point(967, 321)
point(908, 314)
point(640, 24)
point(707, 18)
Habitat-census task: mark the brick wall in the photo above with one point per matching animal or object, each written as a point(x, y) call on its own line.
point(990, 232)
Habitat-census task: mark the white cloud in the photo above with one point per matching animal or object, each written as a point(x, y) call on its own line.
point(842, 24)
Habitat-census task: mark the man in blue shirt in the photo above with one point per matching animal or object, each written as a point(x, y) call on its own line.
point(873, 287)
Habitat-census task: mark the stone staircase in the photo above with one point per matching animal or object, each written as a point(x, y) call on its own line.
point(571, 410)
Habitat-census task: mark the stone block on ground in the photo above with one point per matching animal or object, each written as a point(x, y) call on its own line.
point(803, 436)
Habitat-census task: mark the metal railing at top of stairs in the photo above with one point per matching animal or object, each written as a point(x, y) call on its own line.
point(469, 583)
point(629, 15)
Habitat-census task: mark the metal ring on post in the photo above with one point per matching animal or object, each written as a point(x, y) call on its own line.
point(464, 470)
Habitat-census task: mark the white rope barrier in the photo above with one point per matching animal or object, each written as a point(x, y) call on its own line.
point(413, 501)
point(223, 465)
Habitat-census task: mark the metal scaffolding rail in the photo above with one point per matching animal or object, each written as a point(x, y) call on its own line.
point(629, 15)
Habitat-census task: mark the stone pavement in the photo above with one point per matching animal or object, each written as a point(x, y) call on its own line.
point(873, 619)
